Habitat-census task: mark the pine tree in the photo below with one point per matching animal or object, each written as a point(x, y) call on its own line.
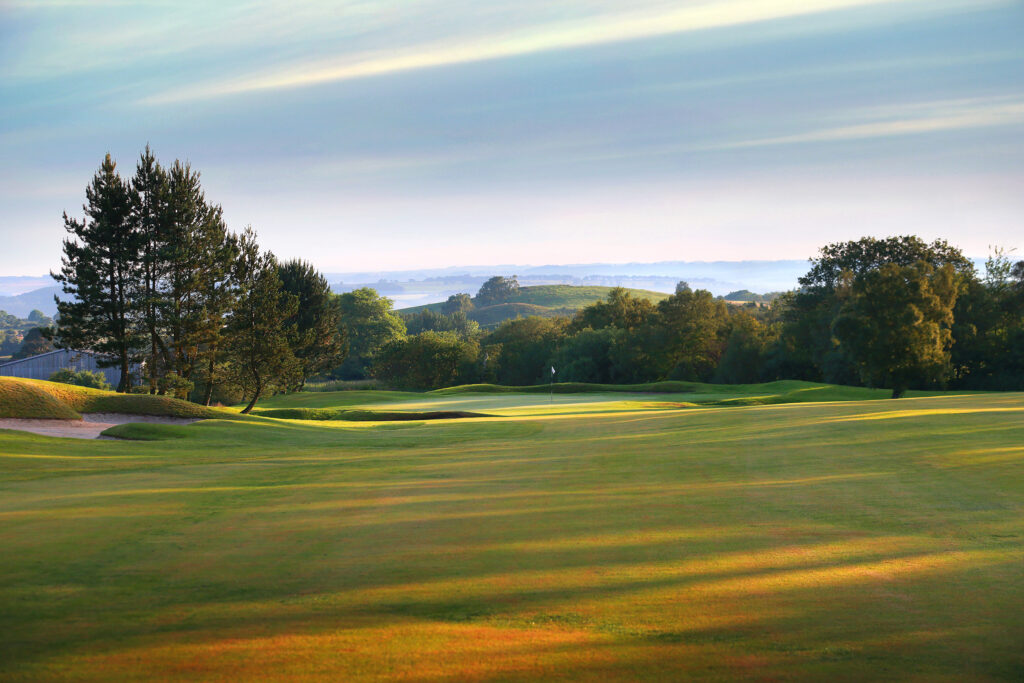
point(99, 269)
point(196, 258)
point(150, 217)
point(256, 341)
point(313, 332)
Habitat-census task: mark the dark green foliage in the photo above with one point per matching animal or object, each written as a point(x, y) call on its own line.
point(429, 321)
point(749, 343)
point(988, 329)
point(621, 310)
point(496, 290)
point(82, 378)
point(810, 313)
point(100, 268)
point(256, 339)
point(592, 356)
point(34, 343)
point(193, 293)
point(151, 222)
point(313, 332)
point(869, 253)
point(895, 323)
point(428, 360)
point(458, 303)
point(686, 337)
point(368, 323)
point(525, 348)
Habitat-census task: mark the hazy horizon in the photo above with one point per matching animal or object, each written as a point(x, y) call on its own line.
point(387, 136)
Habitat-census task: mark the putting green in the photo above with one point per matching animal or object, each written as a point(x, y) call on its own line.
point(608, 537)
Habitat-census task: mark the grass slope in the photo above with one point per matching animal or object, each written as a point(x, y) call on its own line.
point(859, 540)
point(541, 300)
point(29, 398)
point(26, 400)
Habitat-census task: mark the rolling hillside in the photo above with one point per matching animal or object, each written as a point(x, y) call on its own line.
point(588, 536)
point(542, 300)
point(32, 398)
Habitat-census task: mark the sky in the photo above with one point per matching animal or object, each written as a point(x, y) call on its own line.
point(399, 134)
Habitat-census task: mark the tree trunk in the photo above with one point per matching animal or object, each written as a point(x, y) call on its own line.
point(208, 396)
point(125, 384)
point(252, 403)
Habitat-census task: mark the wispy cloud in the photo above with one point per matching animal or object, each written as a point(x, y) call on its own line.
point(913, 119)
point(583, 32)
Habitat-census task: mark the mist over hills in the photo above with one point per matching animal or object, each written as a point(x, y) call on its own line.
point(20, 294)
point(429, 285)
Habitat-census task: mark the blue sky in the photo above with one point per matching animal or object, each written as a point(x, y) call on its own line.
point(404, 133)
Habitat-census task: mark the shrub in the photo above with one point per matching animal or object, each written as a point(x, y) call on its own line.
point(82, 378)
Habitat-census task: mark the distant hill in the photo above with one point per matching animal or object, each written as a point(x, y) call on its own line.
point(23, 304)
point(541, 300)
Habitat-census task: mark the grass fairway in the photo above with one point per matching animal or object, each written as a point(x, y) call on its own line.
point(606, 537)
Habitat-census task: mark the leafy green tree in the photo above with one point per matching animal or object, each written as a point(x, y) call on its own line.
point(429, 321)
point(81, 378)
point(811, 312)
point(988, 328)
point(99, 269)
point(367, 321)
point(497, 290)
point(686, 337)
point(256, 338)
point(313, 331)
point(427, 360)
point(33, 343)
point(749, 342)
point(39, 318)
point(591, 356)
point(621, 310)
point(895, 324)
point(458, 303)
point(523, 349)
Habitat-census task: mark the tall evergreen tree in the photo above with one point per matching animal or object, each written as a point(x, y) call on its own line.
point(150, 219)
point(313, 332)
point(196, 257)
point(256, 341)
point(99, 268)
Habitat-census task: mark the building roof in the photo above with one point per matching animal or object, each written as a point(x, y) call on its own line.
point(48, 353)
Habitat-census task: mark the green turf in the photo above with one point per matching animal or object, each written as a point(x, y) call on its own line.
point(29, 398)
point(540, 300)
point(853, 540)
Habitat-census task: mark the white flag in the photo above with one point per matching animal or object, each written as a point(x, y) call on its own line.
point(552, 369)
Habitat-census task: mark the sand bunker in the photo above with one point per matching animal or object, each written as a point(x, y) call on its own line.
point(89, 427)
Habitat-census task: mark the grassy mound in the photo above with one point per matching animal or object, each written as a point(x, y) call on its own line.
point(491, 316)
point(43, 399)
point(363, 415)
point(24, 400)
point(540, 300)
point(704, 395)
point(576, 388)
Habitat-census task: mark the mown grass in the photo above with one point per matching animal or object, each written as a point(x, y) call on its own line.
point(29, 398)
point(26, 400)
point(320, 414)
point(858, 540)
point(543, 300)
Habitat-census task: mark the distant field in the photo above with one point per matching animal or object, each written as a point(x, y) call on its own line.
point(542, 300)
point(592, 535)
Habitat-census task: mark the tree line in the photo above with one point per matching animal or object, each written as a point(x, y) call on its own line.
point(896, 313)
point(184, 306)
point(165, 292)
